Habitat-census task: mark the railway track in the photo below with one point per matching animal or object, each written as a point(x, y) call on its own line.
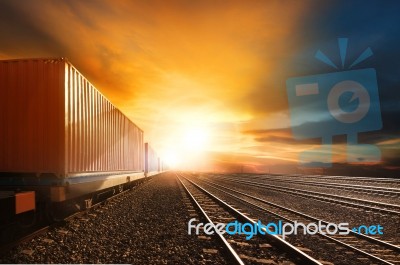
point(374, 190)
point(390, 180)
point(373, 249)
point(340, 179)
point(341, 200)
point(240, 250)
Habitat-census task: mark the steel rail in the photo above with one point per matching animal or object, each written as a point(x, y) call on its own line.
point(326, 197)
point(303, 257)
point(372, 189)
point(228, 247)
point(365, 237)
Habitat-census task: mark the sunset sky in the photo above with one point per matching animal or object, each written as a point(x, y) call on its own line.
point(206, 80)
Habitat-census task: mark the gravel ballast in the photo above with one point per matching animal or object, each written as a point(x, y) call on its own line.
point(146, 226)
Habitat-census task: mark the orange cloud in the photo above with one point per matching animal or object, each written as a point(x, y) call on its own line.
point(170, 65)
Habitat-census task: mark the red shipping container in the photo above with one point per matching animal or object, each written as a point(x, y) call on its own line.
point(54, 121)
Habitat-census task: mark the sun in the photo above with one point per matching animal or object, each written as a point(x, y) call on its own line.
point(195, 139)
point(187, 146)
point(172, 160)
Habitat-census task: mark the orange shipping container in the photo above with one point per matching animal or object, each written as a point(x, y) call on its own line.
point(54, 121)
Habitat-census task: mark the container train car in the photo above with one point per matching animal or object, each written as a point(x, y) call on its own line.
point(61, 140)
point(152, 162)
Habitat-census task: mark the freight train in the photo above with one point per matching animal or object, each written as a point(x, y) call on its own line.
point(62, 143)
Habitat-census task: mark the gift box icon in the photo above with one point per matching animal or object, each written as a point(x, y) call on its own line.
point(345, 102)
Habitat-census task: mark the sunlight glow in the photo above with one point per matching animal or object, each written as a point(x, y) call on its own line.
point(195, 139)
point(171, 158)
point(187, 145)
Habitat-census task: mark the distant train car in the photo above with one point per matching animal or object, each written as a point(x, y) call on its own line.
point(60, 138)
point(164, 166)
point(152, 161)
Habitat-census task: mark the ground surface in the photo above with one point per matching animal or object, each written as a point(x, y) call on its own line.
point(147, 227)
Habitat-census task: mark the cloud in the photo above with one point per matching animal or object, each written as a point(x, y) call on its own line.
point(223, 50)
point(219, 63)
